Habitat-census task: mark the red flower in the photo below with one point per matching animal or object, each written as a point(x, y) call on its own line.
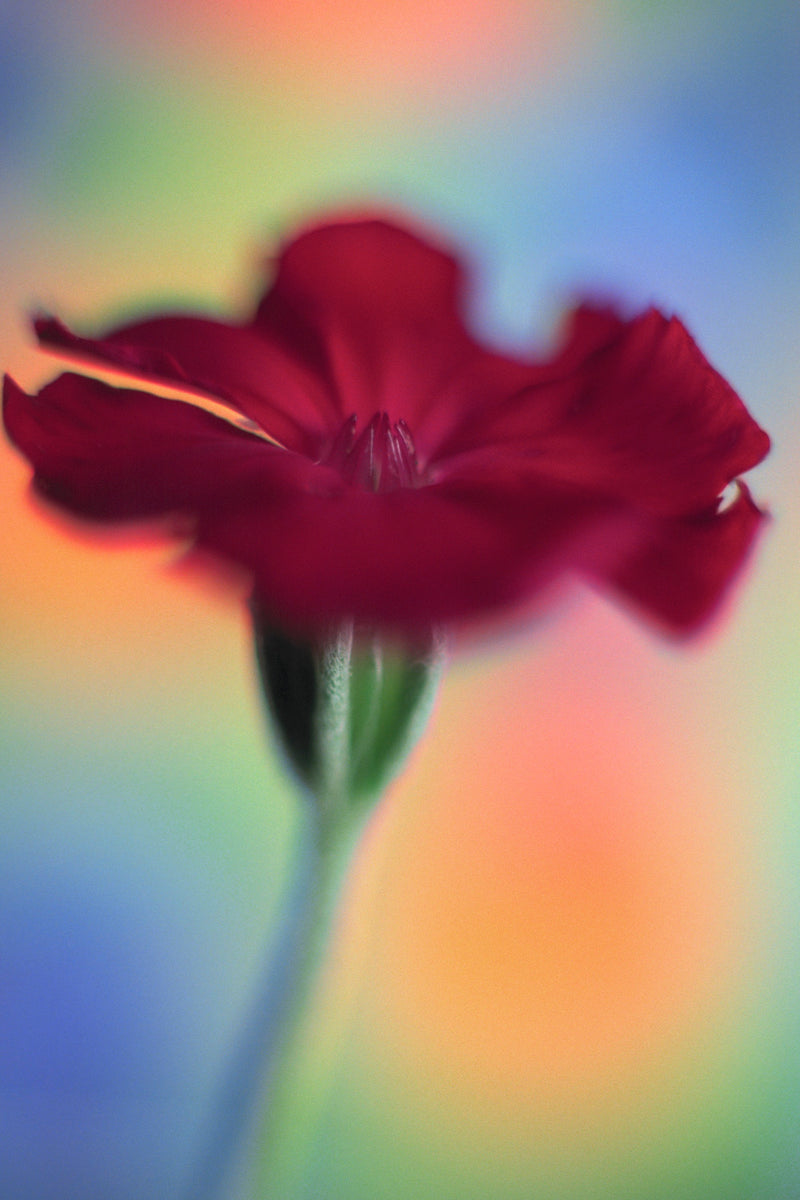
point(383, 465)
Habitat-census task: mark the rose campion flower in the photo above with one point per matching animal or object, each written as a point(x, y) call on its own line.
point(381, 465)
point(382, 474)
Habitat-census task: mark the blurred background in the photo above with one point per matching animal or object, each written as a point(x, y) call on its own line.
point(569, 962)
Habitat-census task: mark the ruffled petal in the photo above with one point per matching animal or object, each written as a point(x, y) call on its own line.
point(378, 313)
point(630, 409)
point(231, 363)
point(681, 569)
point(113, 454)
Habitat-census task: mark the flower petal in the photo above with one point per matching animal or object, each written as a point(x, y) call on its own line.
point(114, 454)
point(377, 312)
point(631, 409)
point(404, 560)
point(231, 363)
point(318, 549)
point(683, 567)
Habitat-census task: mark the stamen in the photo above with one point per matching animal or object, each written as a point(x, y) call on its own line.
point(381, 458)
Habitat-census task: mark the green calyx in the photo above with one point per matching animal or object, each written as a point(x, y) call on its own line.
point(348, 708)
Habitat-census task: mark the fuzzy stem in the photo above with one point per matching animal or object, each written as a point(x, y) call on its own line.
point(332, 727)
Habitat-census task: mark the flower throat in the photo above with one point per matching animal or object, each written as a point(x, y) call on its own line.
point(381, 458)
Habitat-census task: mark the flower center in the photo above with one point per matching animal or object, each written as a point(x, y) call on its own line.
point(381, 458)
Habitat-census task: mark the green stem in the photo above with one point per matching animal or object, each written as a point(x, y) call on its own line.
point(290, 1111)
point(260, 1070)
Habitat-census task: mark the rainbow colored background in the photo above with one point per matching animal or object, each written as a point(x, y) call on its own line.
point(570, 965)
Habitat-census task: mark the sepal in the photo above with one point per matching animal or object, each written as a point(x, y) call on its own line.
point(347, 708)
